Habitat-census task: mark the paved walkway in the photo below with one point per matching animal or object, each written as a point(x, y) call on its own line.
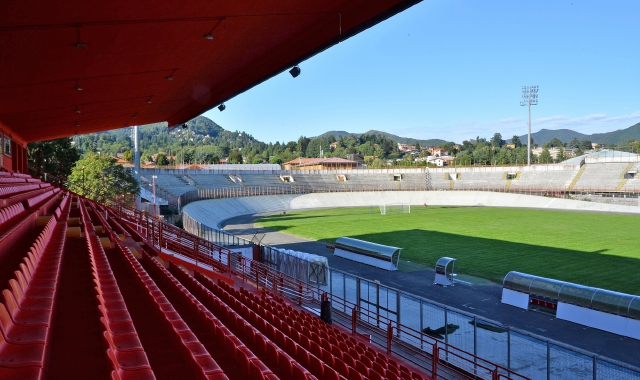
point(481, 298)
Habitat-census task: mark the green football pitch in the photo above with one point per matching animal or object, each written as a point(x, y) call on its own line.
point(592, 249)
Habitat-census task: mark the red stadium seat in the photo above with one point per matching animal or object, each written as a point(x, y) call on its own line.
point(20, 355)
point(316, 367)
point(341, 367)
point(25, 317)
point(18, 334)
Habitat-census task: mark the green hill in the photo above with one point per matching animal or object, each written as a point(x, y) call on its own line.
point(607, 138)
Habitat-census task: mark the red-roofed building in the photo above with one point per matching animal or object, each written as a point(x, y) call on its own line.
point(320, 164)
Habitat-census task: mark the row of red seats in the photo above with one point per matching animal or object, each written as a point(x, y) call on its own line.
point(124, 349)
point(12, 231)
point(303, 329)
point(249, 365)
point(13, 194)
point(9, 212)
point(43, 202)
point(350, 349)
point(304, 353)
point(194, 356)
point(286, 359)
point(21, 220)
point(26, 315)
point(225, 319)
point(5, 179)
point(62, 212)
point(22, 175)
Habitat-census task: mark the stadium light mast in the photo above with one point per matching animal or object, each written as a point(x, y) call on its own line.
point(529, 98)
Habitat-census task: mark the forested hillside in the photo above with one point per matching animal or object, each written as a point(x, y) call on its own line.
point(204, 141)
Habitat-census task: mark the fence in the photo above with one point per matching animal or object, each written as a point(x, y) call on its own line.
point(530, 355)
point(211, 234)
point(293, 266)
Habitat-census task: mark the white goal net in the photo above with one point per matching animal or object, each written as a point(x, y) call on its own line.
point(400, 208)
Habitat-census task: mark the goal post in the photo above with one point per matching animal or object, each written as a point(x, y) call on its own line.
point(395, 208)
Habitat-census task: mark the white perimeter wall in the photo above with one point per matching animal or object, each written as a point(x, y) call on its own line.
point(214, 211)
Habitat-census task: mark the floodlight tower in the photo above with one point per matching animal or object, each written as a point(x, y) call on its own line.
point(529, 98)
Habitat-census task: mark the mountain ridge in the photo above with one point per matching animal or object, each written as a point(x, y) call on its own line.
point(540, 137)
point(565, 135)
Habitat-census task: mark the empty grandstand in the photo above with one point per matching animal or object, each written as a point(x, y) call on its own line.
point(137, 298)
point(103, 291)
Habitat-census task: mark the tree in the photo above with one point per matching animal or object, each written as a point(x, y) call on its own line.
point(303, 142)
point(417, 145)
point(515, 140)
point(555, 143)
point(127, 156)
point(276, 160)
point(585, 145)
point(365, 149)
point(100, 178)
point(575, 143)
point(54, 156)
point(449, 147)
point(161, 159)
point(561, 157)
point(235, 157)
point(207, 154)
point(497, 140)
point(545, 156)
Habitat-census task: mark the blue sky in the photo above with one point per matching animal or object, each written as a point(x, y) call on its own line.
point(453, 70)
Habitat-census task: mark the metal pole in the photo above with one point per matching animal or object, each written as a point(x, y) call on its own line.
point(529, 136)
point(475, 339)
point(548, 360)
point(136, 160)
point(446, 336)
point(509, 347)
point(155, 201)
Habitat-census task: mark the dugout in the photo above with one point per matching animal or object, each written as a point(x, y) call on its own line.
point(377, 255)
point(603, 309)
point(444, 271)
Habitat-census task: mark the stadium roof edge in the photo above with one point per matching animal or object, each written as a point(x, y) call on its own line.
point(86, 68)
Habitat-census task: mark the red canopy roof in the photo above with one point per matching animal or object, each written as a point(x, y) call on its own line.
point(79, 66)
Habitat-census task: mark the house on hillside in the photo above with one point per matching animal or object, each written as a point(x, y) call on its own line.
point(437, 152)
point(440, 160)
point(406, 147)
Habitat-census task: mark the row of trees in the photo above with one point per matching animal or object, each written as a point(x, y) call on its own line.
point(496, 151)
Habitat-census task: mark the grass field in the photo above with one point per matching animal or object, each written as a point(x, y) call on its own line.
point(598, 250)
